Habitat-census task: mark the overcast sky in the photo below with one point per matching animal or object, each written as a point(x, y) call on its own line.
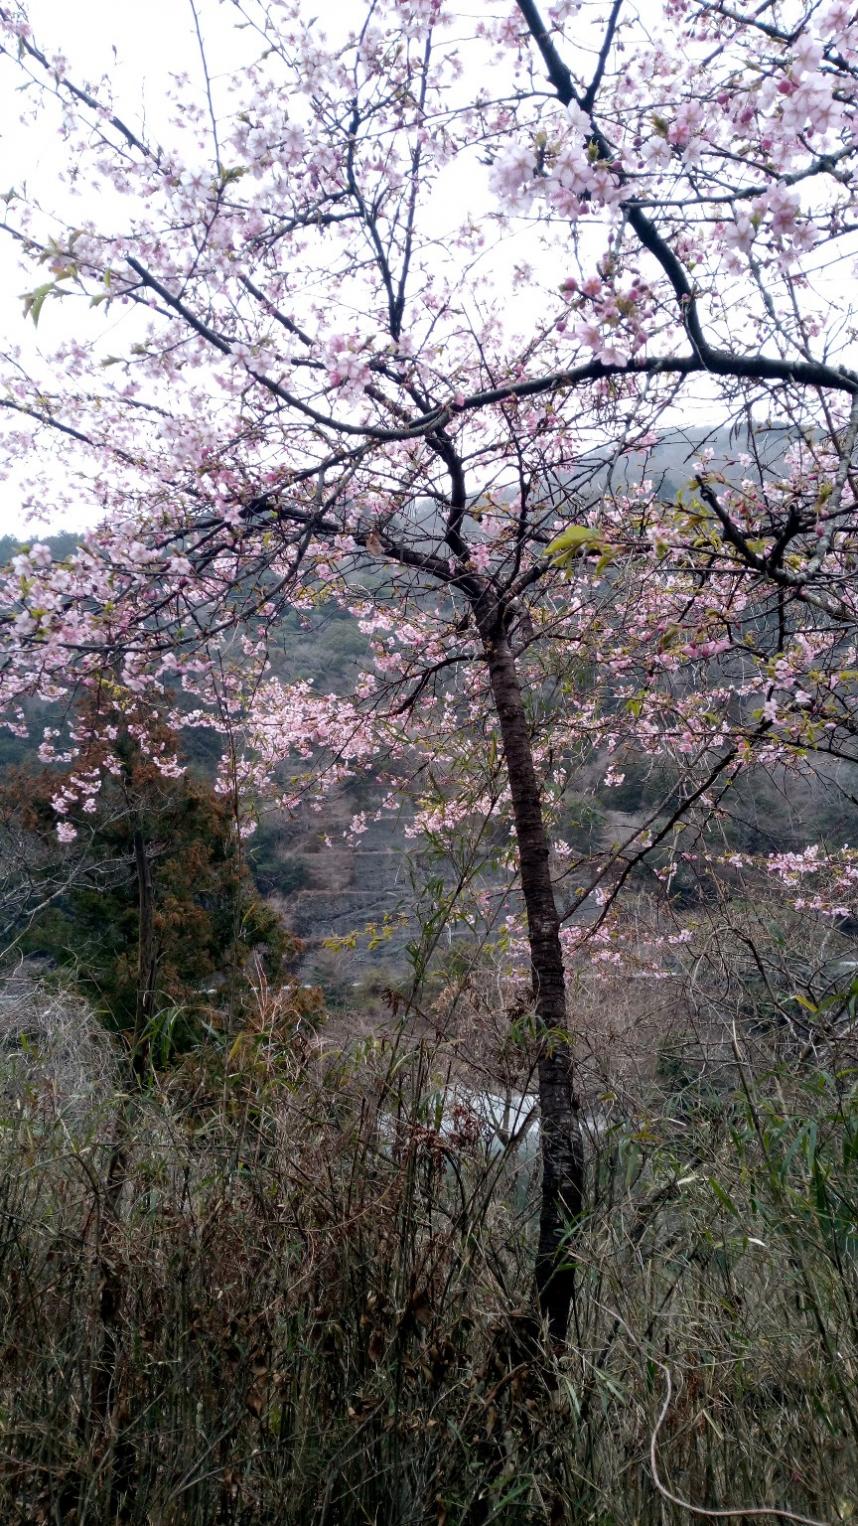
point(133, 44)
point(137, 47)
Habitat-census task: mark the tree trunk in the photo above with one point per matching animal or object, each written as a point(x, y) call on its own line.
point(104, 1396)
point(147, 953)
point(560, 1132)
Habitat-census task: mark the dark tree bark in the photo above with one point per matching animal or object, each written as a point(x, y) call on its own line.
point(147, 952)
point(104, 1393)
point(561, 1139)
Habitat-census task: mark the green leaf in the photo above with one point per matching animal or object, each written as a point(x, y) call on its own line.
point(573, 542)
point(230, 176)
point(34, 301)
point(723, 1197)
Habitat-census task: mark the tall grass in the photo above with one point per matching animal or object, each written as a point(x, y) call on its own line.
point(320, 1308)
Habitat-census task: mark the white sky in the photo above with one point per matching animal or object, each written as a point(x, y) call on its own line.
point(137, 47)
point(130, 43)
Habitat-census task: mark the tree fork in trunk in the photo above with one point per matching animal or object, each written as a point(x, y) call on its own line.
point(561, 1138)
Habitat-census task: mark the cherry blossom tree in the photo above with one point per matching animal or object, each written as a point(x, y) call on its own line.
point(404, 312)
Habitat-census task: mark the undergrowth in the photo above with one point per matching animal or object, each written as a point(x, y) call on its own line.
point(290, 1285)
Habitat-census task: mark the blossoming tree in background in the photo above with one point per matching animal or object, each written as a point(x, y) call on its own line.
point(407, 310)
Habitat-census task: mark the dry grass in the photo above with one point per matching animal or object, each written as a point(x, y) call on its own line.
point(319, 1306)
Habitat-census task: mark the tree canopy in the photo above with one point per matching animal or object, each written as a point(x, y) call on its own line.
point(408, 308)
